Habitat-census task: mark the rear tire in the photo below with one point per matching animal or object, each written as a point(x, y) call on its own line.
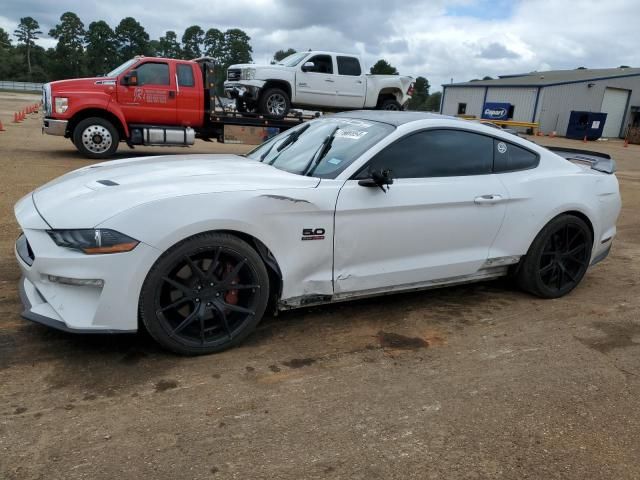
point(557, 259)
point(205, 294)
point(390, 104)
point(96, 137)
point(274, 103)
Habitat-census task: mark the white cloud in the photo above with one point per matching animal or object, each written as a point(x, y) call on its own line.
point(435, 38)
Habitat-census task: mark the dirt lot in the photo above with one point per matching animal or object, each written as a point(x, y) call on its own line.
point(497, 385)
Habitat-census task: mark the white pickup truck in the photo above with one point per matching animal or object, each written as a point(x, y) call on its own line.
point(314, 80)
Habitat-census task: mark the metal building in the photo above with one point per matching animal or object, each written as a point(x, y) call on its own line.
point(549, 97)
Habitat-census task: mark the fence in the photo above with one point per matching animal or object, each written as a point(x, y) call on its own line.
point(21, 86)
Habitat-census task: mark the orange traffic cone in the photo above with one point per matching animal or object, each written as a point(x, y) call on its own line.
point(16, 117)
point(626, 142)
point(2, 129)
point(552, 134)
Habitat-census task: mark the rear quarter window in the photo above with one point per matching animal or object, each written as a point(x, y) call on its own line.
point(185, 76)
point(508, 157)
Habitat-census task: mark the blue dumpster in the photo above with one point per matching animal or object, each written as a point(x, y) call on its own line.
point(586, 124)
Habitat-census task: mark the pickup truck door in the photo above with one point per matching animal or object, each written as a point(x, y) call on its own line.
point(153, 100)
point(190, 95)
point(350, 83)
point(436, 222)
point(316, 86)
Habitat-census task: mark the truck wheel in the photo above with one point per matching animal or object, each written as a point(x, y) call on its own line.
point(390, 104)
point(274, 103)
point(96, 137)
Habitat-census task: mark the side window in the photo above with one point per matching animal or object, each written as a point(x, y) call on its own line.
point(509, 157)
point(153, 74)
point(435, 153)
point(185, 75)
point(349, 66)
point(323, 64)
point(462, 108)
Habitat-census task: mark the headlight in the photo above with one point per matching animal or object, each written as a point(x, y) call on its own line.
point(62, 103)
point(248, 74)
point(92, 241)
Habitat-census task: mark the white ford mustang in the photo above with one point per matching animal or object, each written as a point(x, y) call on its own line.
point(357, 204)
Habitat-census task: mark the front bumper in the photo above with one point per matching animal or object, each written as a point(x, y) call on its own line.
point(246, 90)
point(54, 127)
point(49, 288)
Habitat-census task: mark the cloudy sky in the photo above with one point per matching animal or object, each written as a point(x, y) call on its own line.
point(439, 39)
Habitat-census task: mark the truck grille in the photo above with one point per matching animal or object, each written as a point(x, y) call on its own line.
point(233, 74)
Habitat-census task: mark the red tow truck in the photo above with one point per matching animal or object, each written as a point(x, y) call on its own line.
point(145, 101)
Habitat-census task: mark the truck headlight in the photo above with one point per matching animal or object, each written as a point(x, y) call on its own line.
point(93, 240)
point(248, 74)
point(62, 103)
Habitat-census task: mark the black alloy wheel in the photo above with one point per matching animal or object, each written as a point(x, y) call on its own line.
point(558, 258)
point(205, 295)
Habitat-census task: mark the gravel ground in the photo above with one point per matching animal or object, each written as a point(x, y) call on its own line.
point(470, 382)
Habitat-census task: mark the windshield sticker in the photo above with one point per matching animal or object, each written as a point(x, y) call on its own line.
point(502, 147)
point(350, 134)
point(357, 123)
point(334, 161)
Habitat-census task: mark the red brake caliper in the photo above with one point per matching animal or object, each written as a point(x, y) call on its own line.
point(231, 297)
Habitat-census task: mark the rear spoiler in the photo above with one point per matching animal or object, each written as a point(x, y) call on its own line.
point(596, 160)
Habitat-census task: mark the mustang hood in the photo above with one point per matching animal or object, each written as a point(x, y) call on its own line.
point(86, 197)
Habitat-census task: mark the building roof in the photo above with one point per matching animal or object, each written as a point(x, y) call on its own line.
point(390, 117)
point(552, 77)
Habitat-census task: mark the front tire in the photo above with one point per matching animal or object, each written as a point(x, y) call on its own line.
point(96, 137)
point(274, 103)
point(205, 294)
point(557, 259)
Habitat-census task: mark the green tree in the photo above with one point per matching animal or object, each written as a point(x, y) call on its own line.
point(236, 47)
point(192, 41)
point(281, 55)
point(26, 33)
point(420, 94)
point(131, 38)
point(5, 41)
point(101, 53)
point(433, 102)
point(487, 78)
point(69, 52)
point(382, 67)
point(214, 45)
point(168, 46)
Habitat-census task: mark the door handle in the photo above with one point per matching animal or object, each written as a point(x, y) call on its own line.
point(172, 94)
point(328, 80)
point(487, 199)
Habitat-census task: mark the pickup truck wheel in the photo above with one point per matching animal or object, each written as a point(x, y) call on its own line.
point(274, 103)
point(390, 104)
point(96, 137)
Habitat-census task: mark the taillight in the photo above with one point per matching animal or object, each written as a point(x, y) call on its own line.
point(410, 90)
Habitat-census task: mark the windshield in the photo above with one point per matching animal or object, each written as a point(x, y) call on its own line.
point(122, 68)
point(352, 139)
point(293, 60)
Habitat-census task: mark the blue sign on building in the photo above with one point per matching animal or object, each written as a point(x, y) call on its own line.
point(496, 111)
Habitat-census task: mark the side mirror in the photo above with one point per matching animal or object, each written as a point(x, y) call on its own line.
point(378, 178)
point(308, 67)
point(130, 79)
